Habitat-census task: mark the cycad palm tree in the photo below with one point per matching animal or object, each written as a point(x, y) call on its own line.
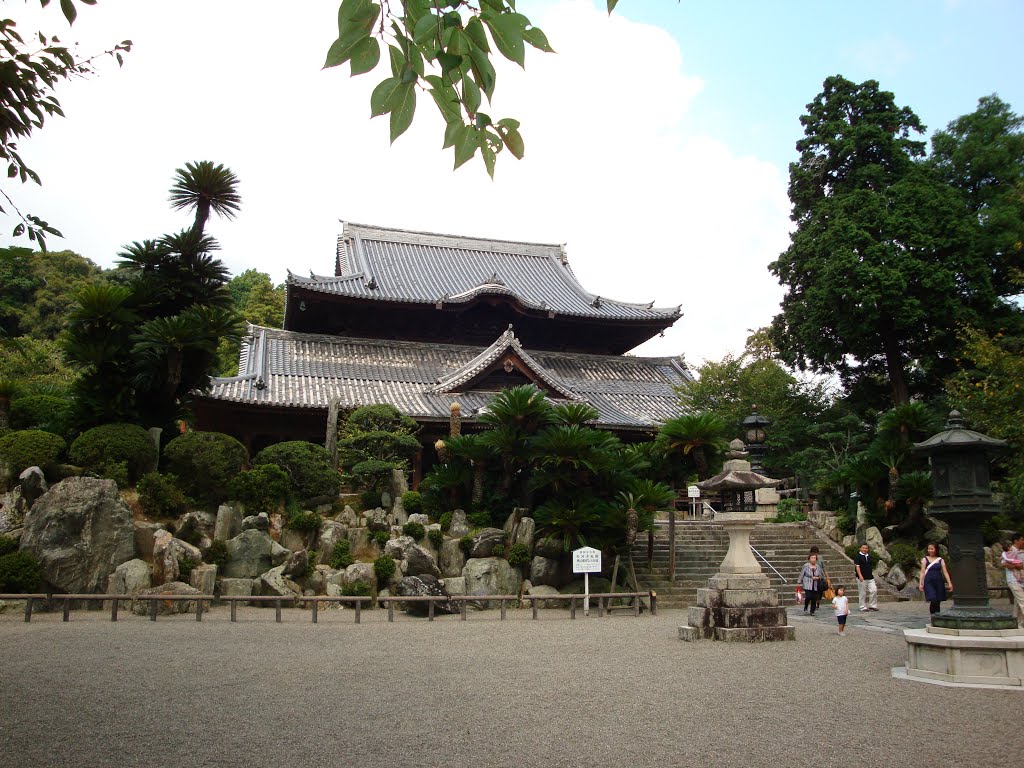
point(574, 414)
point(697, 435)
point(205, 188)
point(479, 454)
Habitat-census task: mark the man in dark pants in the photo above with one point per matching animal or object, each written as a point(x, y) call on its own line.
point(867, 590)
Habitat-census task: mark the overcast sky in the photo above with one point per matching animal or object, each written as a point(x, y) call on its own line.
point(657, 140)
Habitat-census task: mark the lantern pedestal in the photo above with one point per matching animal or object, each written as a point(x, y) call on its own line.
point(739, 603)
point(993, 657)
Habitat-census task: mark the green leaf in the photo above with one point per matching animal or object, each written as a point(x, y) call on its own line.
point(382, 100)
point(451, 132)
point(483, 71)
point(482, 120)
point(449, 62)
point(535, 37)
point(366, 56)
point(353, 11)
point(403, 110)
point(425, 30)
point(466, 144)
point(470, 94)
point(475, 32)
point(398, 60)
point(447, 101)
point(343, 48)
point(508, 122)
point(611, 6)
point(508, 30)
point(512, 140)
point(70, 12)
point(452, 19)
point(488, 155)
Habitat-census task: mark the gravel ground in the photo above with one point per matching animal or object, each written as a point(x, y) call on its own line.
point(592, 692)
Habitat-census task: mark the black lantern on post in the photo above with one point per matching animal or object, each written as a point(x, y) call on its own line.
point(754, 436)
point(959, 459)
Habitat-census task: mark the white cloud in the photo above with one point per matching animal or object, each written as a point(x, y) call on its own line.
point(649, 209)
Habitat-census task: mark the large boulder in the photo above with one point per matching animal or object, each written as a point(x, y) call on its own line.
point(550, 571)
point(455, 585)
point(484, 542)
point(80, 530)
point(168, 552)
point(12, 510)
point(364, 546)
point(414, 586)
point(331, 532)
point(166, 607)
point(896, 577)
point(144, 533)
point(491, 576)
point(543, 590)
point(874, 539)
point(420, 518)
point(129, 578)
point(297, 565)
point(274, 583)
point(229, 522)
point(459, 526)
point(204, 578)
point(524, 533)
point(396, 548)
point(549, 546)
point(260, 522)
point(347, 517)
point(359, 572)
point(451, 558)
point(420, 561)
point(235, 587)
point(251, 553)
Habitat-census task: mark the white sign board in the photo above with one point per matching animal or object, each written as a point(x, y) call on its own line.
point(693, 492)
point(586, 560)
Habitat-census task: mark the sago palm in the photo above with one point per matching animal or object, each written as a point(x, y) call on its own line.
point(205, 188)
point(697, 435)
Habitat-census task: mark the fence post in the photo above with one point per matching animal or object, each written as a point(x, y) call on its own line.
point(113, 609)
point(600, 607)
point(359, 608)
point(430, 610)
point(234, 610)
point(28, 609)
point(152, 610)
point(391, 611)
point(67, 609)
point(464, 610)
point(199, 610)
point(572, 607)
point(502, 603)
point(277, 610)
point(636, 605)
point(654, 603)
point(316, 603)
point(533, 605)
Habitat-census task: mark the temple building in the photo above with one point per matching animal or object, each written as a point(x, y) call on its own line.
point(423, 320)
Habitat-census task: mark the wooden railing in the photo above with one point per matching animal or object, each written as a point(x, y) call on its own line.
point(313, 602)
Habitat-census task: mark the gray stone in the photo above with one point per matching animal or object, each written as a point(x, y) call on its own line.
point(260, 522)
point(512, 522)
point(129, 578)
point(249, 554)
point(166, 607)
point(396, 548)
point(412, 586)
point(484, 542)
point(316, 579)
point(144, 532)
point(12, 510)
point(549, 571)
point(359, 572)
point(235, 587)
point(849, 541)
point(896, 577)
point(347, 517)
point(455, 585)
point(33, 485)
point(874, 540)
point(296, 540)
point(549, 546)
point(168, 551)
point(297, 565)
point(459, 526)
point(378, 520)
point(491, 576)
point(80, 530)
point(543, 590)
point(422, 519)
point(331, 532)
point(525, 532)
point(420, 561)
point(204, 578)
point(398, 483)
point(274, 583)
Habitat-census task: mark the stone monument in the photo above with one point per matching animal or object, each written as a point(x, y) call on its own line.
point(739, 603)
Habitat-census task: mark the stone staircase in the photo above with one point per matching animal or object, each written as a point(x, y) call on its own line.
point(701, 546)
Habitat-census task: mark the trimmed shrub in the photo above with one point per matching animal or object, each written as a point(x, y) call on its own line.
point(373, 473)
point(218, 555)
point(370, 499)
point(260, 489)
point(498, 551)
point(846, 523)
point(416, 530)
point(20, 572)
point(159, 495)
point(101, 448)
point(205, 463)
point(26, 448)
point(384, 566)
point(466, 544)
point(519, 554)
point(8, 544)
point(185, 566)
point(445, 521)
point(44, 412)
point(341, 556)
point(479, 518)
point(412, 501)
point(357, 589)
point(903, 554)
point(381, 538)
point(436, 537)
point(308, 467)
point(303, 521)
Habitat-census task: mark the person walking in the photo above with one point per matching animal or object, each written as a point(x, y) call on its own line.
point(867, 590)
point(842, 606)
point(1014, 573)
point(812, 581)
point(935, 582)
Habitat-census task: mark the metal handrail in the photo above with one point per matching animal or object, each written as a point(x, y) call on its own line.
point(765, 560)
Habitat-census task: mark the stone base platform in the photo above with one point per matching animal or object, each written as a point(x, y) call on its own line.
point(969, 657)
point(738, 609)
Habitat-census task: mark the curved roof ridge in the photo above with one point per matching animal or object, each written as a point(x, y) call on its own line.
point(416, 237)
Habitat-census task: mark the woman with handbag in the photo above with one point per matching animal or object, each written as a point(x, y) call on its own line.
point(812, 581)
point(828, 593)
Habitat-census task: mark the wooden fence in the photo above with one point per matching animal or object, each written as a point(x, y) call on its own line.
point(312, 602)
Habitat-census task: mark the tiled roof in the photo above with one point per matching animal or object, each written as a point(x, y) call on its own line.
point(301, 370)
point(417, 267)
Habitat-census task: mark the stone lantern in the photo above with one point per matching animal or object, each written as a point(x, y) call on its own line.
point(754, 436)
point(971, 643)
point(959, 459)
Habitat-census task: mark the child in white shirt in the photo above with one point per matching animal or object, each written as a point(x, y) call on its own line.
point(1011, 555)
point(842, 606)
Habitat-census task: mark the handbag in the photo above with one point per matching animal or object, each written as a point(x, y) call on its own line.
point(829, 593)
